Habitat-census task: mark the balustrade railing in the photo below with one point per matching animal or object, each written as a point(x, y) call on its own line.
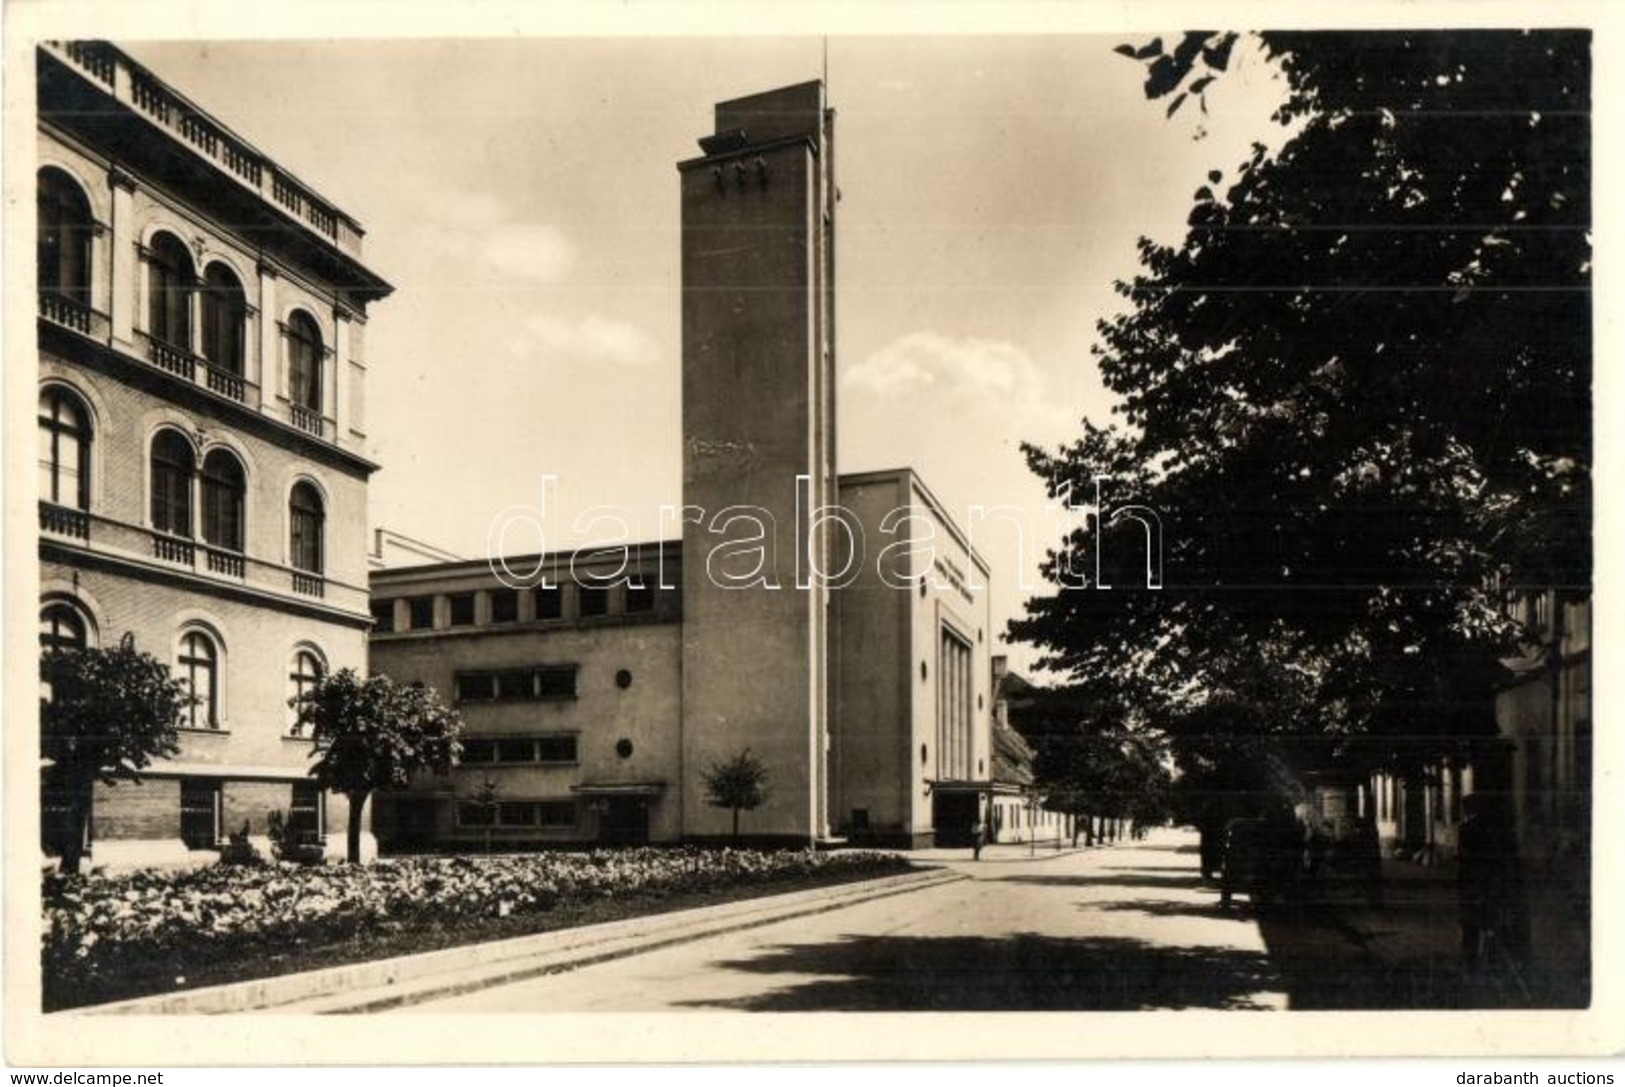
point(229, 563)
point(174, 359)
point(174, 549)
point(225, 382)
point(309, 584)
point(306, 419)
point(69, 312)
point(64, 521)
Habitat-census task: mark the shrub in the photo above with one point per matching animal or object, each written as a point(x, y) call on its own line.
point(100, 928)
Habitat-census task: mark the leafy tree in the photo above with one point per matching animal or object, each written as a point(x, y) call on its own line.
point(375, 734)
point(738, 784)
point(105, 714)
point(1357, 392)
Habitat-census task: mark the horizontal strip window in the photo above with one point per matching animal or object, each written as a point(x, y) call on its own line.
point(546, 814)
point(556, 748)
point(517, 684)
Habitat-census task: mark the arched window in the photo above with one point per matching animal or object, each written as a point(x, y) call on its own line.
point(170, 282)
point(199, 669)
point(65, 231)
point(64, 448)
point(305, 519)
point(224, 319)
point(173, 465)
point(305, 362)
point(62, 628)
point(306, 672)
point(223, 486)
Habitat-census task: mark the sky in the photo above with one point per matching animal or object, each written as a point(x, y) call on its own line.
point(521, 195)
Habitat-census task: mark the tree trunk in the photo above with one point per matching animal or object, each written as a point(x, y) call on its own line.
point(73, 843)
point(736, 828)
point(352, 834)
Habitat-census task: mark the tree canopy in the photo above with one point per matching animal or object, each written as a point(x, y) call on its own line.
point(1357, 392)
point(105, 715)
point(375, 734)
point(738, 783)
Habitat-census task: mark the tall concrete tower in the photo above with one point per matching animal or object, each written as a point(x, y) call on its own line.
point(758, 454)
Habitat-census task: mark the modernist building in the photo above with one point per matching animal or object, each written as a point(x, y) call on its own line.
point(202, 483)
point(837, 627)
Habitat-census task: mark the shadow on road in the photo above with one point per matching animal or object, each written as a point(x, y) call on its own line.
point(1018, 973)
point(1165, 878)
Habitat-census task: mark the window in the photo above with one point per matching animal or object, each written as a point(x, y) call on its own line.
point(505, 606)
point(307, 671)
point(420, 613)
point(594, 600)
point(307, 811)
point(640, 599)
point(173, 464)
point(62, 629)
point(305, 362)
point(479, 751)
point(549, 602)
point(556, 814)
point(305, 519)
point(556, 749)
point(475, 686)
point(462, 609)
point(199, 671)
point(517, 684)
point(170, 282)
point(383, 616)
point(516, 750)
point(200, 813)
point(224, 320)
point(64, 449)
point(223, 488)
point(953, 706)
point(65, 231)
point(557, 682)
point(474, 814)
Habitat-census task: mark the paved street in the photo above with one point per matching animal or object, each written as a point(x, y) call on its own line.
point(1124, 927)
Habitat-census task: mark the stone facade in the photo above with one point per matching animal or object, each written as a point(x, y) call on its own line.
point(202, 477)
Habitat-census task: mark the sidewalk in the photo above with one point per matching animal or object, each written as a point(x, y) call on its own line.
point(1415, 936)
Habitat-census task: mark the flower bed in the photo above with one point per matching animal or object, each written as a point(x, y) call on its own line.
point(103, 932)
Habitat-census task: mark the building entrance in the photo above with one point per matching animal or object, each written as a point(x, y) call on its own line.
point(953, 817)
point(624, 820)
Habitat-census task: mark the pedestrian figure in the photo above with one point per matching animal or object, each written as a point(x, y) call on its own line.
point(1489, 885)
point(977, 840)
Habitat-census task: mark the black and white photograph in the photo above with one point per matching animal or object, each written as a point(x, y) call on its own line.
point(717, 527)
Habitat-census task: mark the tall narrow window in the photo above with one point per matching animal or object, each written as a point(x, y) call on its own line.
point(62, 629)
point(305, 362)
point(307, 671)
point(223, 488)
point(170, 282)
point(305, 528)
point(65, 230)
point(199, 671)
point(64, 449)
point(172, 470)
point(224, 320)
point(200, 813)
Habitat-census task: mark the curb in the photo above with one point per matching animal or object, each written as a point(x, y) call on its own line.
point(411, 979)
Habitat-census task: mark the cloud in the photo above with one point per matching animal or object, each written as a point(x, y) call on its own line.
point(593, 338)
point(527, 251)
point(930, 363)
